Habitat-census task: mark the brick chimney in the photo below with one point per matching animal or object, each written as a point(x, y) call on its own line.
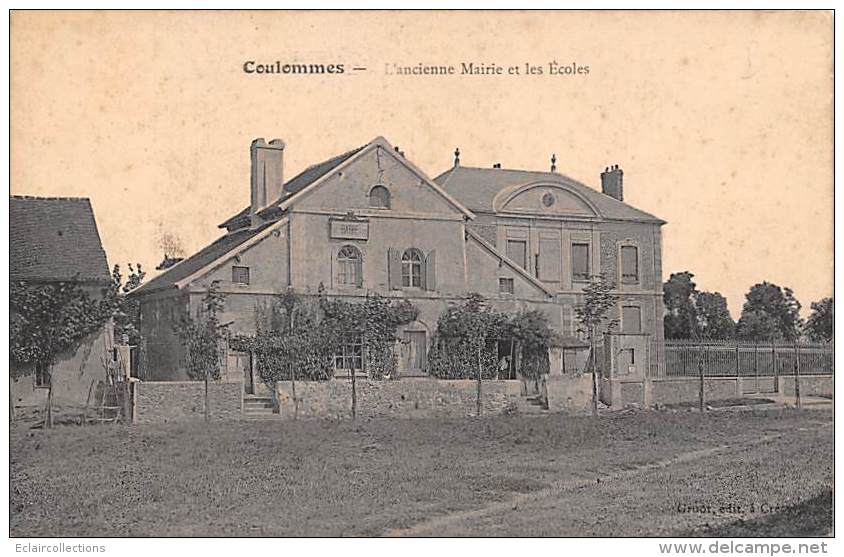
point(267, 175)
point(612, 182)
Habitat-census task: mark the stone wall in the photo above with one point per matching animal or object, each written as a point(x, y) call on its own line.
point(810, 385)
point(404, 398)
point(687, 389)
point(180, 401)
point(570, 393)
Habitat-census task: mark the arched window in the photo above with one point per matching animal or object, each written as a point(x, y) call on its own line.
point(349, 266)
point(379, 197)
point(411, 268)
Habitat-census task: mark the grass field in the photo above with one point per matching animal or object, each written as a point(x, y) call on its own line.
point(752, 473)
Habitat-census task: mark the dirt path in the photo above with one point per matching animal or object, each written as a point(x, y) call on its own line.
point(452, 522)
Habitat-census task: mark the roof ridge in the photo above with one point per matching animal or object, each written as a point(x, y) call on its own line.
point(50, 198)
point(341, 155)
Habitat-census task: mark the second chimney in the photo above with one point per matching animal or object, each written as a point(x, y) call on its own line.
point(612, 182)
point(267, 179)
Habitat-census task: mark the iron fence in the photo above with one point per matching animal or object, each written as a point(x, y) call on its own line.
point(677, 358)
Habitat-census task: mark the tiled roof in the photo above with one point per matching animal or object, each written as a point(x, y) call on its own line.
point(477, 187)
point(200, 259)
point(54, 238)
point(294, 185)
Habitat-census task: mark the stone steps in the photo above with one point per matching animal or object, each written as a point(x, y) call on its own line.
point(531, 405)
point(257, 407)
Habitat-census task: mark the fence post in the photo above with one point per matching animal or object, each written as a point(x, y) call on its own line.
point(737, 359)
point(700, 377)
point(776, 368)
point(351, 360)
point(797, 374)
point(480, 404)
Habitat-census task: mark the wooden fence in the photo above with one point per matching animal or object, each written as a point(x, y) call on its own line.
point(740, 359)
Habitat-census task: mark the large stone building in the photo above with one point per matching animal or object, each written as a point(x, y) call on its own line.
point(369, 220)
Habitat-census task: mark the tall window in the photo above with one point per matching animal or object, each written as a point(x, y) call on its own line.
point(379, 197)
point(411, 268)
point(349, 267)
point(580, 261)
point(517, 251)
point(349, 354)
point(629, 264)
point(631, 320)
point(240, 275)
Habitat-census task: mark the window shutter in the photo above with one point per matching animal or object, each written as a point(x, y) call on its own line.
point(359, 272)
point(393, 268)
point(430, 275)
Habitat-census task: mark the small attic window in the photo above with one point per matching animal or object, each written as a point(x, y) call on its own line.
point(379, 197)
point(240, 274)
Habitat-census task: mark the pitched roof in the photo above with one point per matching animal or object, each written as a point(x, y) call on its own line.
point(200, 259)
point(292, 186)
point(477, 187)
point(54, 238)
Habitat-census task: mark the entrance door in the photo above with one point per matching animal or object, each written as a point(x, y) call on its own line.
point(417, 353)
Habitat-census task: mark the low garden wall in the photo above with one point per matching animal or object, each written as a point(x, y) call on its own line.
point(180, 401)
point(687, 389)
point(403, 398)
point(570, 393)
point(810, 385)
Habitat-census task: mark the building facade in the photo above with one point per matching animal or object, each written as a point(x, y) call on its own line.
point(54, 240)
point(370, 221)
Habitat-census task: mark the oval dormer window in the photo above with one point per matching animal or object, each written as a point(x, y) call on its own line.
point(379, 197)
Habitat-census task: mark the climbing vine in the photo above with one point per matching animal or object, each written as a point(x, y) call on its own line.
point(468, 334)
point(301, 336)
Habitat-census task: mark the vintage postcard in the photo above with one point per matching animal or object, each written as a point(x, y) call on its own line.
point(422, 273)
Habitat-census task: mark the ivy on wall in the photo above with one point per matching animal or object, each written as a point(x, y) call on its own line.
point(468, 335)
point(298, 336)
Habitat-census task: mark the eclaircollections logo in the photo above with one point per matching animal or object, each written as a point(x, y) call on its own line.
point(279, 68)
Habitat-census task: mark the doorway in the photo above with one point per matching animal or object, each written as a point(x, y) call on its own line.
point(417, 352)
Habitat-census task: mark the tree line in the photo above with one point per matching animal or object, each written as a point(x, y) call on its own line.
point(770, 314)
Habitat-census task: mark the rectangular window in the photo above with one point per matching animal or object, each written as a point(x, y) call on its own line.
point(580, 262)
point(629, 264)
point(42, 375)
point(349, 354)
point(631, 320)
point(517, 252)
point(240, 275)
point(506, 286)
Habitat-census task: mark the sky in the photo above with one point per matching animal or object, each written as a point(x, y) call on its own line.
point(722, 122)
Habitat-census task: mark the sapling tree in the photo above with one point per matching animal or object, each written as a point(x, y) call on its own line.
point(201, 337)
point(592, 315)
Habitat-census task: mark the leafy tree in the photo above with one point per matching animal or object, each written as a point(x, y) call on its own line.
point(693, 313)
point(48, 320)
point(303, 338)
point(465, 340)
point(819, 326)
point(201, 337)
point(533, 338)
point(759, 325)
point(592, 314)
point(713, 318)
point(770, 313)
point(681, 314)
